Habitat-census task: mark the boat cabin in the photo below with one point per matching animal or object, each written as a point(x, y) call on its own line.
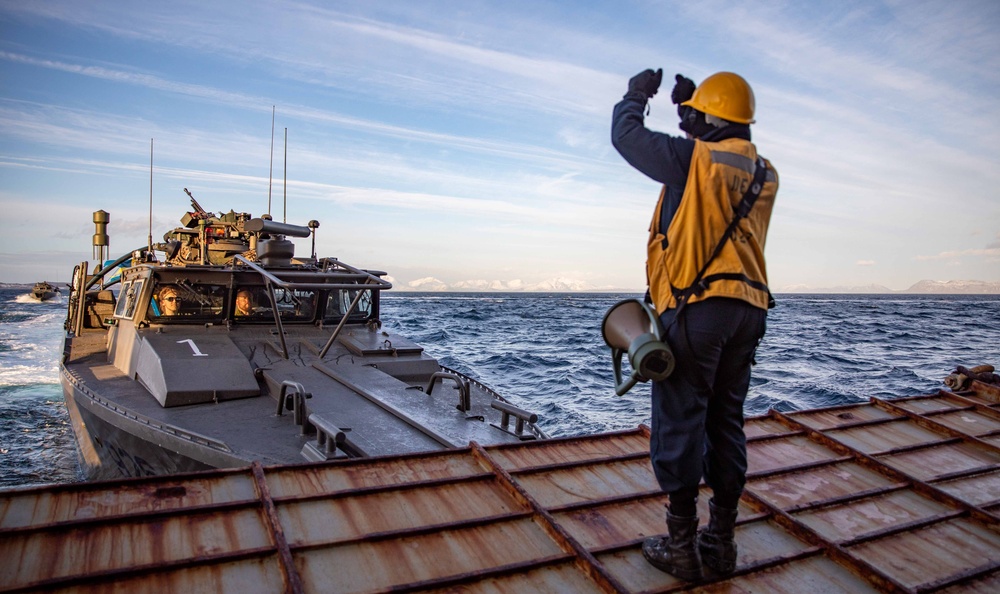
point(161, 296)
point(158, 304)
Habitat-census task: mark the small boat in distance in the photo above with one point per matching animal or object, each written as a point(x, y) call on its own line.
point(44, 291)
point(230, 350)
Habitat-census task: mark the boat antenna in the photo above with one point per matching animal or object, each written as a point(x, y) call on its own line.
point(270, 169)
point(284, 218)
point(149, 238)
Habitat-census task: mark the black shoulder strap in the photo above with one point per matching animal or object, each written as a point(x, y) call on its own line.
point(700, 283)
point(742, 210)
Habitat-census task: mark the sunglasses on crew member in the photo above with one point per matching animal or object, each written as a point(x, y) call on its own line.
point(177, 299)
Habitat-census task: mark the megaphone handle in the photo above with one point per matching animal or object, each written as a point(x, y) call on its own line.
point(616, 363)
point(621, 388)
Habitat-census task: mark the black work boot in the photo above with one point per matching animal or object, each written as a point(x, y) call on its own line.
point(676, 554)
point(716, 543)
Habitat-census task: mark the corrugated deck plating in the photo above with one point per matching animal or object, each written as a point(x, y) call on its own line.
point(899, 495)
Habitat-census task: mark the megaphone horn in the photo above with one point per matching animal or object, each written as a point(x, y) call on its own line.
point(632, 327)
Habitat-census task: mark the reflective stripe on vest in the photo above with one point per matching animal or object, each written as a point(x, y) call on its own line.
point(740, 162)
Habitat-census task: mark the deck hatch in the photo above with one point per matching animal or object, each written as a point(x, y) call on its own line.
point(180, 368)
point(368, 342)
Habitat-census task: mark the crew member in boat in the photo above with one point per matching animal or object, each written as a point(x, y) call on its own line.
point(713, 325)
point(169, 300)
point(244, 302)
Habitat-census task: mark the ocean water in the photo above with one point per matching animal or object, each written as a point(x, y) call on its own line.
point(544, 352)
point(36, 440)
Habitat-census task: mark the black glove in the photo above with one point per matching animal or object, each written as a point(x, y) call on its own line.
point(646, 82)
point(683, 90)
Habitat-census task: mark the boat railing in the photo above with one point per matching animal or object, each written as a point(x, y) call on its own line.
point(294, 395)
point(340, 325)
point(508, 410)
point(108, 267)
point(82, 282)
point(357, 279)
point(77, 299)
point(464, 396)
point(351, 279)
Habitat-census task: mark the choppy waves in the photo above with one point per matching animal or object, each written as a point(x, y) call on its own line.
point(30, 339)
point(36, 443)
point(545, 353)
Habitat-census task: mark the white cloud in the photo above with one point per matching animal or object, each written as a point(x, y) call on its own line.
point(992, 252)
point(476, 136)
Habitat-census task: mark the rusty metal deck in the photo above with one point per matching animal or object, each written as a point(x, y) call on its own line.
point(900, 495)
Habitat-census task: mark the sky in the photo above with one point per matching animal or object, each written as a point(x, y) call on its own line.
point(466, 144)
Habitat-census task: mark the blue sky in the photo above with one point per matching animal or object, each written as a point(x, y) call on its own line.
point(468, 142)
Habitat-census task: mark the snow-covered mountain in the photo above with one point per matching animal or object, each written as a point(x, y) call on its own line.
point(553, 285)
point(954, 287)
point(570, 285)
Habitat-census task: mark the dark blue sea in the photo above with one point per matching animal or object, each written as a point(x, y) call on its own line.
point(544, 352)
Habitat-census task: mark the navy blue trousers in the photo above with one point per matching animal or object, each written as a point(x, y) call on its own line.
point(698, 411)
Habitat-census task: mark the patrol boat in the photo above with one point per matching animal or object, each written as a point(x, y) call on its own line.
point(44, 291)
point(219, 348)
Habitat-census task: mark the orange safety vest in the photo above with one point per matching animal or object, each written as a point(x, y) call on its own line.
point(720, 174)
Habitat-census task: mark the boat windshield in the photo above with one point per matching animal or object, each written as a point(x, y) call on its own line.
point(251, 303)
point(188, 303)
point(338, 302)
point(130, 293)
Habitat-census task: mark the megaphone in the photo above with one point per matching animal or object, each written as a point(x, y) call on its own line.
point(632, 327)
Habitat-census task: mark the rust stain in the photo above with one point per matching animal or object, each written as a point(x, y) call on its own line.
point(564, 514)
point(175, 491)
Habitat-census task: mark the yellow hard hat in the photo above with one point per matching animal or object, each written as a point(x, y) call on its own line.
point(724, 95)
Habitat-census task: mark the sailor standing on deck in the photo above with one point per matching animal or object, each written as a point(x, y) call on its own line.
point(708, 285)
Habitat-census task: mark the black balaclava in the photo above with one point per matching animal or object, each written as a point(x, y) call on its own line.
point(693, 122)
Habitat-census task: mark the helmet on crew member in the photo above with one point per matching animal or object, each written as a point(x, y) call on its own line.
point(724, 95)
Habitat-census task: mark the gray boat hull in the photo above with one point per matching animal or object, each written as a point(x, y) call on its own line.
point(114, 444)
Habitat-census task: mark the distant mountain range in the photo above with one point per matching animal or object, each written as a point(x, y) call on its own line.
point(567, 285)
point(555, 285)
point(931, 287)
